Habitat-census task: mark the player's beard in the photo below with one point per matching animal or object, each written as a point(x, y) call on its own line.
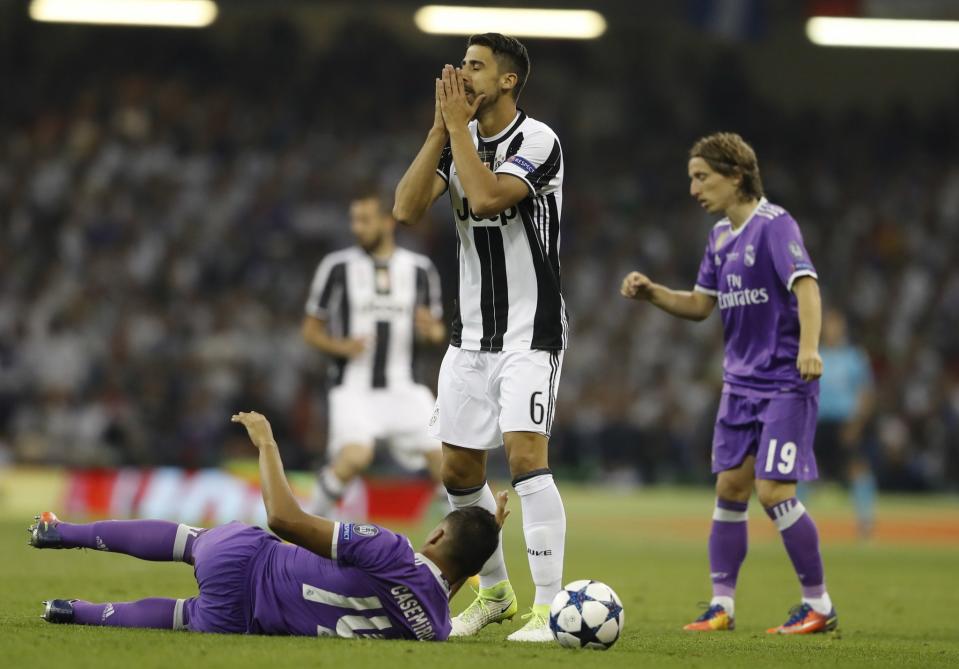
point(487, 103)
point(373, 243)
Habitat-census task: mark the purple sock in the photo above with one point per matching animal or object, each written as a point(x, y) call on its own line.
point(802, 544)
point(158, 612)
point(157, 540)
point(728, 541)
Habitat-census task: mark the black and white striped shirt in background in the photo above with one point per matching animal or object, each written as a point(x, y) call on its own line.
point(510, 295)
point(359, 297)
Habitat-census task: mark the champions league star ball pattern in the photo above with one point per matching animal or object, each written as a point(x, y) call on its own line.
point(586, 614)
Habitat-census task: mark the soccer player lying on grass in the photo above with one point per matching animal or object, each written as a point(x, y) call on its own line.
point(332, 579)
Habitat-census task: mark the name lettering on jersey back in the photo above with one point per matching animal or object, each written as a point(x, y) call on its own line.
point(464, 213)
point(737, 296)
point(413, 612)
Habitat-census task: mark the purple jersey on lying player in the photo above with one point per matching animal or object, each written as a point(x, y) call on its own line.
point(750, 272)
point(375, 586)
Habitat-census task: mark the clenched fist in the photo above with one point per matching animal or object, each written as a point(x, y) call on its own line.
point(809, 364)
point(637, 286)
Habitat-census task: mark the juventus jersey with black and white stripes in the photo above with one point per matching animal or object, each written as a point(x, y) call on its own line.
point(510, 295)
point(358, 296)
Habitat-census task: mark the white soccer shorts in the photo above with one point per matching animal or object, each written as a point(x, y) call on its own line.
point(397, 415)
point(483, 394)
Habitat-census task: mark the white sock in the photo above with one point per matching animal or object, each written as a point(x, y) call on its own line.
point(725, 602)
point(329, 490)
point(494, 571)
point(544, 525)
point(821, 605)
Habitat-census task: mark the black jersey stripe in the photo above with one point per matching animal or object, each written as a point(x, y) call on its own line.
point(337, 292)
point(423, 298)
point(547, 321)
point(514, 146)
point(552, 236)
point(336, 280)
point(494, 290)
point(482, 244)
point(381, 354)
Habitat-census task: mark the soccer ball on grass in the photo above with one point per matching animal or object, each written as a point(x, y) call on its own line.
point(586, 614)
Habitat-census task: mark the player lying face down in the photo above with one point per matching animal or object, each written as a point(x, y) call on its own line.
point(332, 579)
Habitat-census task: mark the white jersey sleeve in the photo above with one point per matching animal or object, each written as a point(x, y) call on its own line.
point(537, 160)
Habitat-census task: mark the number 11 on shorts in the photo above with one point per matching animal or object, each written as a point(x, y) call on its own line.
point(787, 457)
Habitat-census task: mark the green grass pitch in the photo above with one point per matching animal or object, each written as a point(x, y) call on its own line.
point(897, 596)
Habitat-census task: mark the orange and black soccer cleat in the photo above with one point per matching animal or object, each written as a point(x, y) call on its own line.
point(804, 620)
point(714, 619)
point(44, 533)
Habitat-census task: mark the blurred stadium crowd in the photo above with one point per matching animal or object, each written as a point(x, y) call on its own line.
point(161, 217)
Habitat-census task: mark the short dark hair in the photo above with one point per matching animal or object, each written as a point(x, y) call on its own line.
point(730, 155)
point(510, 54)
point(474, 536)
point(371, 191)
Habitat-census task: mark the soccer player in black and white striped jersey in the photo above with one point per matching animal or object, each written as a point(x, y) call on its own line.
point(369, 306)
point(504, 174)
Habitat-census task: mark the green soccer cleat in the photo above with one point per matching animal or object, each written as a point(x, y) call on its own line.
point(536, 629)
point(492, 605)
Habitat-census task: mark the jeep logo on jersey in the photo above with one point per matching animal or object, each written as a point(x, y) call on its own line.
point(502, 218)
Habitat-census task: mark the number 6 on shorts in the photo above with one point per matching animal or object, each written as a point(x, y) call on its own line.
point(787, 457)
point(537, 412)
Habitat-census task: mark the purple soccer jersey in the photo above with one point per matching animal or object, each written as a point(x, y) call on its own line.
point(376, 586)
point(751, 272)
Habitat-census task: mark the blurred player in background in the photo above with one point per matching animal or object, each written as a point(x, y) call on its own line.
point(846, 400)
point(498, 382)
point(333, 579)
point(757, 268)
point(369, 307)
